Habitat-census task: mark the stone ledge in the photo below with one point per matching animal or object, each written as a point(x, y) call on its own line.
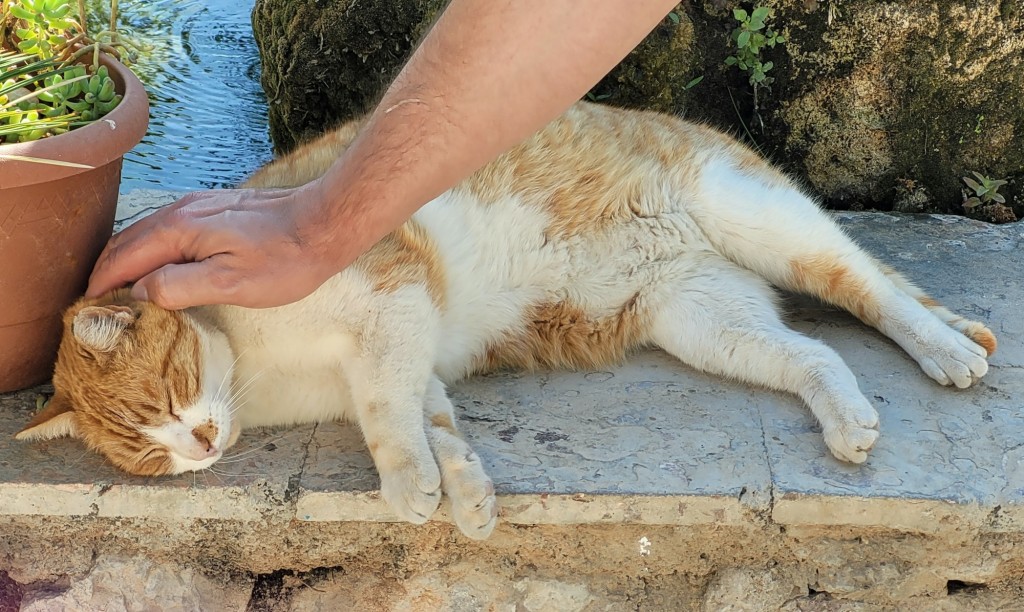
point(647, 445)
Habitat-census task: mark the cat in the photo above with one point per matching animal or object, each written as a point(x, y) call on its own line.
point(606, 231)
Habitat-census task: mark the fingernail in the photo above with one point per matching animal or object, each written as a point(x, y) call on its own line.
point(139, 293)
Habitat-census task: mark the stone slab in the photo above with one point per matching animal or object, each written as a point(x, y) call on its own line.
point(648, 442)
point(64, 478)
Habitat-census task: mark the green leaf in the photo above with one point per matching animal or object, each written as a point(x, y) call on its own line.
point(674, 17)
point(767, 66)
point(999, 198)
point(972, 184)
point(739, 14)
point(731, 61)
point(760, 13)
point(744, 39)
point(21, 13)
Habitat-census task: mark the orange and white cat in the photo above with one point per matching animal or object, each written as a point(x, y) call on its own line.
point(606, 231)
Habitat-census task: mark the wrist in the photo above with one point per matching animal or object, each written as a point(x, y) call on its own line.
point(337, 222)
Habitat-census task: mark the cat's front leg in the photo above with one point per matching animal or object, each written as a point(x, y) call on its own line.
point(388, 386)
point(463, 478)
point(410, 480)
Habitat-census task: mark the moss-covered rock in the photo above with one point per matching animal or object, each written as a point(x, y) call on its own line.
point(325, 61)
point(875, 104)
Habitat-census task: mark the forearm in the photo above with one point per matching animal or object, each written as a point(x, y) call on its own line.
point(487, 76)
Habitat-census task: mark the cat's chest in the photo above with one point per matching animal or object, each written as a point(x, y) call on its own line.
point(286, 378)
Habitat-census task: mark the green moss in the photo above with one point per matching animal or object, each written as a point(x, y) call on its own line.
point(655, 74)
point(326, 62)
point(885, 96)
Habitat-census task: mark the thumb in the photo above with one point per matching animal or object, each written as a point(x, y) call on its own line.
point(179, 286)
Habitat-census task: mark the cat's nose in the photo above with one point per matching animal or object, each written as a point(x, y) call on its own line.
point(201, 449)
point(204, 435)
point(209, 451)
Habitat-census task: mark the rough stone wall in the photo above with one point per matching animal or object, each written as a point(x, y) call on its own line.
point(81, 563)
point(876, 104)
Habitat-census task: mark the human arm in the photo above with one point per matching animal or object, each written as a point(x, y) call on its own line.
point(486, 76)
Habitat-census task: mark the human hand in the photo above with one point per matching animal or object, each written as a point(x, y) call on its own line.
point(255, 248)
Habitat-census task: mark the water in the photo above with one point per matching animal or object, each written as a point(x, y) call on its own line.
point(208, 114)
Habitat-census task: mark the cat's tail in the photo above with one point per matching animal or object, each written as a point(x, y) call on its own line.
point(761, 220)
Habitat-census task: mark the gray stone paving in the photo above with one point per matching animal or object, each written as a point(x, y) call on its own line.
point(650, 441)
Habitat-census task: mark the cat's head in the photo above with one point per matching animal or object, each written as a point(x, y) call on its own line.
point(146, 387)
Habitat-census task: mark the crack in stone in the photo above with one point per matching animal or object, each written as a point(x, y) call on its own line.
point(291, 493)
point(768, 462)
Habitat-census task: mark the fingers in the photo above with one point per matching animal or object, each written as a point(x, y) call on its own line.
point(220, 247)
point(178, 286)
point(142, 247)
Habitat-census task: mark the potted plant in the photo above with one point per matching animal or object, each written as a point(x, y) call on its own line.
point(69, 111)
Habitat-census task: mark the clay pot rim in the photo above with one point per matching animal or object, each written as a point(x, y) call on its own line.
point(96, 144)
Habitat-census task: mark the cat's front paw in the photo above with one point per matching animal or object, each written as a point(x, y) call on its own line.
point(412, 489)
point(854, 432)
point(952, 358)
point(471, 491)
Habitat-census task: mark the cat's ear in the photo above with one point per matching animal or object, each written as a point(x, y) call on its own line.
point(56, 420)
point(99, 328)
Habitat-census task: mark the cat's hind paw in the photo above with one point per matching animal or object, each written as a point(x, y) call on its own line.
point(412, 491)
point(952, 358)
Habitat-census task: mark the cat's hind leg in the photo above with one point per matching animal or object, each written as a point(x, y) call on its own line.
point(975, 330)
point(463, 479)
point(762, 222)
point(722, 319)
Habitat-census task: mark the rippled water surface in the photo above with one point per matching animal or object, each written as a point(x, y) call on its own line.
point(208, 125)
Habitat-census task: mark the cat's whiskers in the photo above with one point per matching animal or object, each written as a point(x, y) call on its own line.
point(222, 474)
point(229, 372)
point(237, 398)
point(236, 407)
point(206, 475)
point(245, 453)
point(243, 456)
point(245, 387)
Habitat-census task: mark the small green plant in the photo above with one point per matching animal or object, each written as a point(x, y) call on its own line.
point(42, 25)
point(751, 37)
point(985, 190)
point(46, 85)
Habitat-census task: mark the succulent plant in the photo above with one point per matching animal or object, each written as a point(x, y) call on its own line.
point(42, 26)
point(47, 83)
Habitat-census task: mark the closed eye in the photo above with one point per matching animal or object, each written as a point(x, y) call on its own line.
point(170, 409)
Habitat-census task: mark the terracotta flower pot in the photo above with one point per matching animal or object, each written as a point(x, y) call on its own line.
point(54, 221)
